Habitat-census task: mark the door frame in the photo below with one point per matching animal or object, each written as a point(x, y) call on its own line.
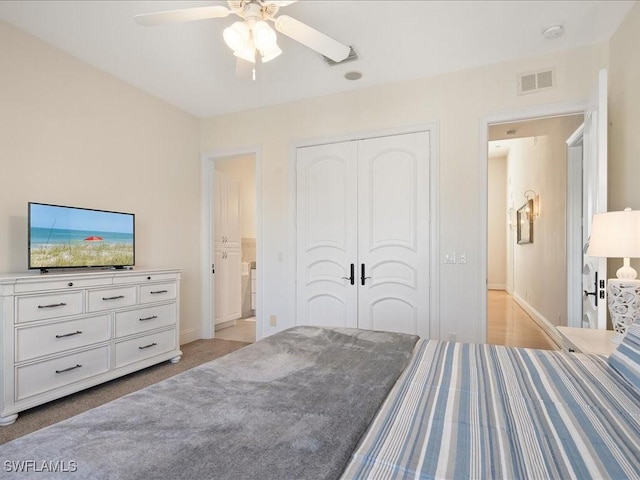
point(207, 169)
point(575, 159)
point(434, 203)
point(518, 115)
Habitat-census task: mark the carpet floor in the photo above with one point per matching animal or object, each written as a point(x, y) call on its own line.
point(194, 354)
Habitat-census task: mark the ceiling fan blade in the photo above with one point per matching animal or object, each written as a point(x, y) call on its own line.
point(312, 38)
point(282, 3)
point(182, 15)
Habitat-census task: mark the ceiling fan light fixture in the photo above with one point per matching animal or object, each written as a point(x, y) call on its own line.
point(246, 52)
point(264, 37)
point(236, 36)
point(270, 53)
point(253, 33)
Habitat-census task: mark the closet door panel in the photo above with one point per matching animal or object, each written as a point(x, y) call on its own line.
point(219, 209)
point(232, 200)
point(393, 227)
point(364, 203)
point(233, 279)
point(326, 234)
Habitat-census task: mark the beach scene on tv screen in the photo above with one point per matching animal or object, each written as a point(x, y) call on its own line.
point(70, 237)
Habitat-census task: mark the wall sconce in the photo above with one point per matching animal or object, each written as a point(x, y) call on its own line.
point(535, 198)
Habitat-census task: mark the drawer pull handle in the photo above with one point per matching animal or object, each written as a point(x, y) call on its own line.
point(152, 317)
point(78, 332)
point(159, 291)
point(147, 346)
point(69, 369)
point(117, 297)
point(53, 305)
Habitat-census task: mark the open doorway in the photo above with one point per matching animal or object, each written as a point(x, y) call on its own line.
point(527, 207)
point(232, 248)
point(593, 142)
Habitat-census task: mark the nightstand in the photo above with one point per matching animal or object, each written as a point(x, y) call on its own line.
point(587, 340)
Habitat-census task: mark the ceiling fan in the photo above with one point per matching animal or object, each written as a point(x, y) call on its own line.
point(253, 33)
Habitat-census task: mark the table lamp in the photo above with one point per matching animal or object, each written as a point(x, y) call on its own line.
point(617, 235)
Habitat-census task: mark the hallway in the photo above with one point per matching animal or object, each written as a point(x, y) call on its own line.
point(508, 324)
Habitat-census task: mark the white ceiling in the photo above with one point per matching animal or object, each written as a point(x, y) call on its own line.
point(189, 66)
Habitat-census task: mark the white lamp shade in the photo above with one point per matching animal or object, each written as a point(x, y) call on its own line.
point(615, 235)
point(264, 37)
point(236, 36)
point(270, 53)
point(247, 52)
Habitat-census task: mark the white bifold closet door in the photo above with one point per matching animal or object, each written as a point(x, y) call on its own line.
point(363, 234)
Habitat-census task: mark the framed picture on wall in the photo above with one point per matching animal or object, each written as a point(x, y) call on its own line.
point(525, 223)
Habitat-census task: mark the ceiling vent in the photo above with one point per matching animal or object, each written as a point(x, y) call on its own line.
point(350, 58)
point(531, 82)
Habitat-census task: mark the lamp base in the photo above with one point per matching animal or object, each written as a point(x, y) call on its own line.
point(624, 305)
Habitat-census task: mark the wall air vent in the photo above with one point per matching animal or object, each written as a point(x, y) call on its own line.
point(531, 82)
point(350, 58)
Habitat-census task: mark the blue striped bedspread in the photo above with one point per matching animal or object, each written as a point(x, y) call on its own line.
point(477, 411)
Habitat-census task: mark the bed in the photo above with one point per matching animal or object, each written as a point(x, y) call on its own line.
point(482, 411)
point(311, 403)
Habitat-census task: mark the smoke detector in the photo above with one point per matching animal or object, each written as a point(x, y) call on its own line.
point(553, 31)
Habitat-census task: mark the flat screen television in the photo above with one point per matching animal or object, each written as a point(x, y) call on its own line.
point(74, 237)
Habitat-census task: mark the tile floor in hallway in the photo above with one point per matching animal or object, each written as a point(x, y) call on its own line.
point(243, 331)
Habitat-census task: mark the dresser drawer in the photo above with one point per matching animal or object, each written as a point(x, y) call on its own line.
point(136, 349)
point(48, 375)
point(110, 298)
point(59, 284)
point(41, 340)
point(157, 292)
point(142, 278)
point(129, 322)
point(42, 307)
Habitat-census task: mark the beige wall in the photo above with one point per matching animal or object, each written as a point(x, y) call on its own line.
point(73, 135)
point(457, 102)
point(497, 224)
point(540, 268)
point(624, 120)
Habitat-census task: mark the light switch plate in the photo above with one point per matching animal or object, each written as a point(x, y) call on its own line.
point(450, 257)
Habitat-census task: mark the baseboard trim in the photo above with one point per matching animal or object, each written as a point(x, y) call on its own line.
point(548, 327)
point(221, 325)
point(496, 286)
point(188, 336)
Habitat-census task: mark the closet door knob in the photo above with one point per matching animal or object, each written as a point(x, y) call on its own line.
point(363, 277)
point(352, 278)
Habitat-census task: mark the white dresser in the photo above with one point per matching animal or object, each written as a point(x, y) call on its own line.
point(587, 340)
point(64, 332)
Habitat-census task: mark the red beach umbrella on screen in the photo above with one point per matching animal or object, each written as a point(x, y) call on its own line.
point(93, 238)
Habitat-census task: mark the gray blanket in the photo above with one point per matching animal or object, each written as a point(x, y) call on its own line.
point(291, 406)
